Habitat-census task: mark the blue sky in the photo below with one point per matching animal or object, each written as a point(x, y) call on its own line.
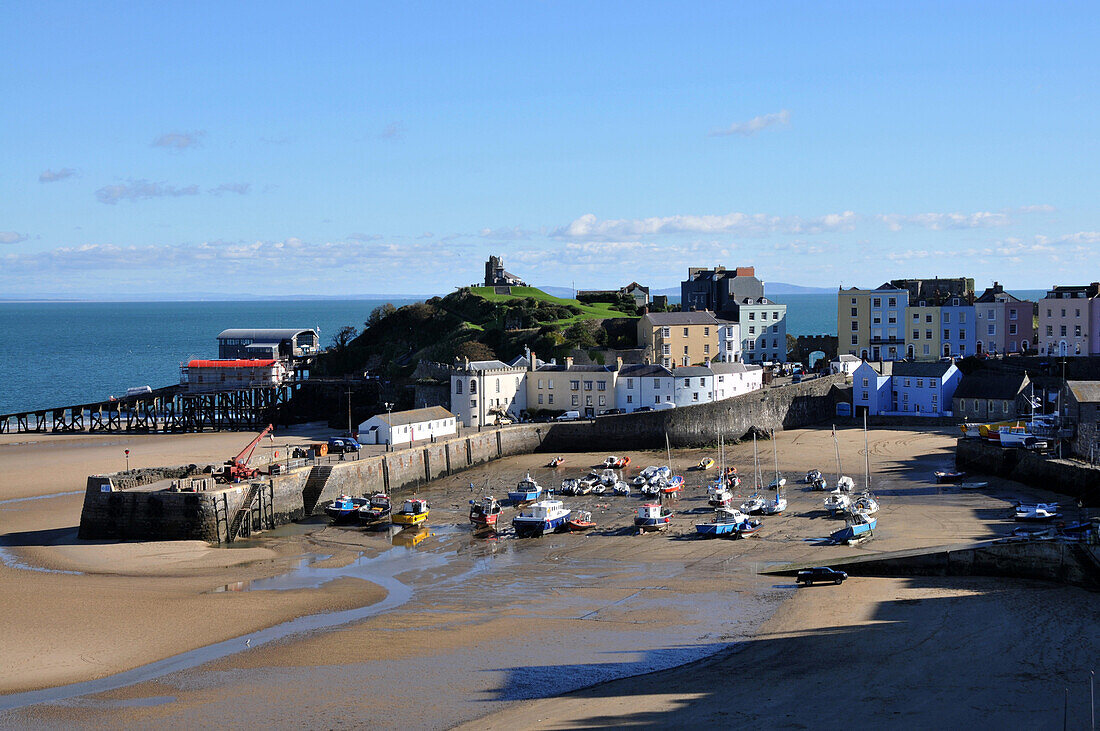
point(389, 148)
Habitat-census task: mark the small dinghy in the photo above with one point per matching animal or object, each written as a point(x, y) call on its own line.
point(609, 477)
point(640, 481)
point(673, 485)
point(819, 483)
point(611, 462)
point(706, 463)
point(622, 463)
point(811, 476)
point(580, 520)
point(621, 488)
point(556, 462)
point(599, 488)
point(845, 484)
point(651, 489)
point(1040, 513)
point(652, 517)
point(377, 510)
point(413, 512)
point(948, 476)
point(971, 485)
point(748, 527)
point(486, 513)
point(345, 508)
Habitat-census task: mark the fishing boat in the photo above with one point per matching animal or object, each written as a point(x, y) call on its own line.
point(556, 462)
point(718, 496)
point(611, 462)
point(651, 517)
point(948, 476)
point(706, 463)
point(725, 522)
point(748, 527)
point(526, 490)
point(836, 502)
point(486, 512)
point(345, 508)
point(580, 520)
point(621, 488)
point(673, 485)
point(377, 510)
point(865, 503)
point(412, 512)
point(856, 525)
point(754, 505)
point(544, 516)
point(569, 486)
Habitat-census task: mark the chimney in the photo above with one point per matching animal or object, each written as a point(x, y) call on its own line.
point(531, 360)
point(568, 362)
point(465, 363)
point(618, 363)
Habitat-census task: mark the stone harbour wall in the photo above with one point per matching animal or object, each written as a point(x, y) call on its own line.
point(1076, 479)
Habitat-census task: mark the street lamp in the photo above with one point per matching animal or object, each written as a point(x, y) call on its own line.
point(389, 433)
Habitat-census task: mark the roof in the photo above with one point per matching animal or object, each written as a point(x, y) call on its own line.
point(921, 369)
point(1086, 392)
point(734, 367)
point(414, 416)
point(688, 371)
point(883, 368)
point(681, 318)
point(1090, 290)
point(486, 365)
point(847, 358)
point(256, 363)
point(574, 368)
point(997, 294)
point(986, 385)
point(266, 334)
point(641, 370)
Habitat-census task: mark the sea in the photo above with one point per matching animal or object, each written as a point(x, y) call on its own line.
point(64, 353)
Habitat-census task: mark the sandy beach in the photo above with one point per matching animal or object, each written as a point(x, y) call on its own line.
point(562, 631)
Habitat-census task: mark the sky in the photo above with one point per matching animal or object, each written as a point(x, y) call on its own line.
point(161, 149)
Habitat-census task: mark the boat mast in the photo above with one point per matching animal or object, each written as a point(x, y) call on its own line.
point(775, 455)
point(836, 447)
point(866, 455)
point(669, 448)
point(755, 462)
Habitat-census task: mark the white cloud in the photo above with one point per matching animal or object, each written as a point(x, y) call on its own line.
point(505, 234)
point(1041, 208)
point(179, 140)
point(365, 237)
point(52, 176)
point(238, 188)
point(11, 237)
point(135, 190)
point(943, 221)
point(754, 125)
point(590, 227)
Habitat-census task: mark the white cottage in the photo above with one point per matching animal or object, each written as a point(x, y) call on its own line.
point(405, 427)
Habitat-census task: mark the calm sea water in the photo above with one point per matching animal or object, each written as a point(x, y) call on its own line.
point(67, 353)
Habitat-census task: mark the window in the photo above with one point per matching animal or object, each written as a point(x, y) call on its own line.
point(955, 302)
point(706, 348)
point(892, 302)
point(992, 329)
point(473, 386)
point(916, 334)
point(853, 300)
point(931, 382)
point(685, 350)
point(926, 351)
point(928, 318)
point(992, 314)
point(588, 385)
point(962, 317)
point(920, 383)
point(665, 332)
point(630, 383)
point(473, 403)
point(603, 400)
point(876, 302)
point(752, 315)
point(656, 399)
point(630, 398)
point(666, 349)
point(497, 383)
point(695, 396)
point(775, 328)
point(907, 382)
point(1077, 331)
point(575, 385)
point(1063, 329)
point(1077, 312)
point(775, 315)
point(601, 385)
point(458, 387)
point(1063, 312)
point(1012, 314)
point(854, 312)
point(865, 383)
point(550, 384)
point(687, 382)
point(576, 399)
point(946, 334)
point(1050, 330)
point(855, 326)
point(550, 399)
point(685, 332)
point(656, 382)
point(540, 383)
point(706, 332)
point(864, 395)
point(916, 317)
point(855, 340)
point(1011, 328)
point(947, 317)
point(876, 320)
point(928, 334)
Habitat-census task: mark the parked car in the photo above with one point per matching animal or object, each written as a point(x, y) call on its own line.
point(338, 445)
point(569, 416)
point(820, 574)
point(664, 406)
point(612, 412)
point(643, 408)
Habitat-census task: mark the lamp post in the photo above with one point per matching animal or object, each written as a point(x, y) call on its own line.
point(127, 459)
point(349, 412)
point(389, 433)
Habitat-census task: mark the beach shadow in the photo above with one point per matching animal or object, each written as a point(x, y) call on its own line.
point(47, 537)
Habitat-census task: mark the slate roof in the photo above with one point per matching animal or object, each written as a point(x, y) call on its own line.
point(689, 371)
point(663, 319)
point(574, 369)
point(644, 370)
point(734, 367)
point(920, 369)
point(1086, 392)
point(414, 416)
point(999, 386)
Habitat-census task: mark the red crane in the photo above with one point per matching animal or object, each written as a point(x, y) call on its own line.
point(237, 468)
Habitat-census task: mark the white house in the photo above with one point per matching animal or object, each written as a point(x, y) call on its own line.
point(404, 427)
point(729, 342)
point(643, 385)
point(734, 379)
point(845, 363)
point(482, 390)
point(693, 384)
point(763, 330)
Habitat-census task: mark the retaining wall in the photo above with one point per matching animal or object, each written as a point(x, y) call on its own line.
point(1063, 476)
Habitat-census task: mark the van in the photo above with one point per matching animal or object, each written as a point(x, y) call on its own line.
point(664, 406)
point(569, 416)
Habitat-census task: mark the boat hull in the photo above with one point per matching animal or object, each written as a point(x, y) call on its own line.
point(711, 530)
point(342, 515)
point(524, 497)
point(537, 527)
point(373, 516)
point(651, 524)
point(409, 519)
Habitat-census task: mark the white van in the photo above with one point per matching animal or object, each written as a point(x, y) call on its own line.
point(664, 406)
point(569, 416)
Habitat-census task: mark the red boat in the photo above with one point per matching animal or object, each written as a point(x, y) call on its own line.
point(556, 462)
point(486, 513)
point(622, 462)
point(580, 520)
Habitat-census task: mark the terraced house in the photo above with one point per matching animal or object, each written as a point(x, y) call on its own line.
point(1065, 318)
point(678, 338)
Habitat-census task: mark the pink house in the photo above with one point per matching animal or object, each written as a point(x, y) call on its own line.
point(1004, 322)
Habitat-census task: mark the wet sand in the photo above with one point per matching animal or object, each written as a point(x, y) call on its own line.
point(486, 623)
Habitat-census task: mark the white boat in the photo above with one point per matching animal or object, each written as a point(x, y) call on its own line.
point(779, 504)
point(569, 486)
point(776, 506)
point(544, 516)
point(754, 505)
point(845, 484)
point(609, 476)
point(621, 488)
point(971, 485)
point(837, 502)
point(599, 489)
point(719, 496)
point(651, 517)
point(652, 489)
point(865, 503)
point(811, 476)
point(611, 461)
point(856, 525)
point(1038, 513)
point(640, 480)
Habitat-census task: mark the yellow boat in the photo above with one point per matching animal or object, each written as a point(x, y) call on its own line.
point(413, 512)
point(991, 430)
point(706, 463)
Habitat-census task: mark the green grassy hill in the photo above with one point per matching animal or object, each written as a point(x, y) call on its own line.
point(593, 311)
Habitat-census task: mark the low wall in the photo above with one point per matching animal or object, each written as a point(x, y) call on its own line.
point(699, 425)
point(1063, 476)
point(1067, 562)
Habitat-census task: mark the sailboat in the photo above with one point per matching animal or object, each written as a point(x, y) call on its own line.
point(843, 483)
point(777, 506)
point(859, 524)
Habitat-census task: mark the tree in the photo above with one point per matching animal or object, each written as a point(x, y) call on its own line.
point(344, 336)
point(474, 350)
point(380, 313)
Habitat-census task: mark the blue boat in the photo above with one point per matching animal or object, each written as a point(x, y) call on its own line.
point(526, 491)
point(725, 523)
point(545, 516)
point(652, 516)
point(345, 508)
point(856, 525)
